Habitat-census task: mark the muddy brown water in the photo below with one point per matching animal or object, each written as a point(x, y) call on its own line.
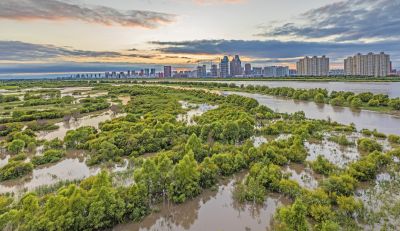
point(72, 124)
point(212, 210)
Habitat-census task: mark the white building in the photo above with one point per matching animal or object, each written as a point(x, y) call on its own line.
point(276, 71)
point(377, 65)
point(315, 66)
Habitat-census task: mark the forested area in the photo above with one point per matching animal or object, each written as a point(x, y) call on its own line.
point(176, 162)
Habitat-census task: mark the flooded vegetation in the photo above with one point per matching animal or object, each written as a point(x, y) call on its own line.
point(72, 124)
point(168, 158)
point(204, 212)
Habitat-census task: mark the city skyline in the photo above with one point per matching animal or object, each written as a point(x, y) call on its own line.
point(61, 35)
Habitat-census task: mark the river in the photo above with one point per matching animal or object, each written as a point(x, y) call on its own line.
point(385, 123)
point(212, 210)
point(389, 88)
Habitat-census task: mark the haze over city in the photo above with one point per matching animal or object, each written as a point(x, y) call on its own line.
point(89, 35)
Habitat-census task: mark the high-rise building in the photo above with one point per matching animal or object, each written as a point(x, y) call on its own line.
point(224, 67)
point(201, 71)
point(257, 71)
point(315, 66)
point(247, 69)
point(276, 71)
point(167, 71)
point(146, 72)
point(152, 72)
point(236, 66)
point(214, 70)
point(377, 65)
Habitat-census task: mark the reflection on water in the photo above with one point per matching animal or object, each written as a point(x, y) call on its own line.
point(389, 88)
point(335, 153)
point(89, 120)
point(258, 141)
point(385, 123)
point(67, 169)
point(211, 211)
point(196, 110)
point(304, 176)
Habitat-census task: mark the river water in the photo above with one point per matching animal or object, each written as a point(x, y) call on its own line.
point(385, 123)
point(390, 88)
point(212, 210)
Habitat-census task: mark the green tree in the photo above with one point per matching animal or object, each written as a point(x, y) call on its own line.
point(16, 146)
point(194, 144)
point(319, 98)
point(231, 132)
point(293, 217)
point(185, 179)
point(208, 173)
point(356, 102)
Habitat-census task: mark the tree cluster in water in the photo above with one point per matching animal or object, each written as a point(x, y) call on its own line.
point(188, 160)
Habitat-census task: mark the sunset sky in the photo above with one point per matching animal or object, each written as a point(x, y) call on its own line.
point(67, 35)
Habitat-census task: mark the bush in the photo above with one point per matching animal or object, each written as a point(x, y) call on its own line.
point(49, 156)
point(16, 146)
point(322, 166)
point(319, 98)
point(14, 170)
point(368, 145)
point(338, 101)
point(356, 102)
point(394, 139)
point(373, 103)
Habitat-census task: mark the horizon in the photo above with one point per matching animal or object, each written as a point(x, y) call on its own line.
point(42, 36)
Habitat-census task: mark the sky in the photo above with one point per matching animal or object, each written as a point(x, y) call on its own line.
point(91, 35)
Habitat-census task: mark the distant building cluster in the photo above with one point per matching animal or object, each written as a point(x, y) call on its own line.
point(147, 72)
point(231, 68)
point(377, 65)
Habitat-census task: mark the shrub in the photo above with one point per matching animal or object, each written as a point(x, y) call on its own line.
point(14, 170)
point(394, 139)
point(356, 102)
point(322, 166)
point(373, 103)
point(49, 156)
point(368, 145)
point(338, 101)
point(16, 146)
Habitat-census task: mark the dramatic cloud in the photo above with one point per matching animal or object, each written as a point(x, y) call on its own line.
point(350, 20)
point(20, 51)
point(59, 10)
point(273, 49)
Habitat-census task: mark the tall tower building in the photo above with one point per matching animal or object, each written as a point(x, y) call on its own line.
point(214, 70)
point(247, 69)
point(371, 64)
point(167, 71)
point(201, 71)
point(236, 66)
point(224, 67)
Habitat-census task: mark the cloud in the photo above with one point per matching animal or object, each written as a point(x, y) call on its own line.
point(274, 49)
point(218, 1)
point(56, 10)
point(21, 51)
point(350, 20)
